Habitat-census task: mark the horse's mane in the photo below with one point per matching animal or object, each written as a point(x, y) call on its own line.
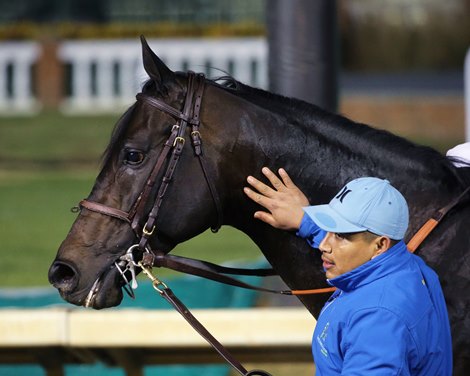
point(361, 136)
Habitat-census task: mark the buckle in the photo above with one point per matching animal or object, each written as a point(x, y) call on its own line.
point(146, 232)
point(179, 139)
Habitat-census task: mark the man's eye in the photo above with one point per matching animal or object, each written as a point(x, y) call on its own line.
point(340, 236)
point(133, 157)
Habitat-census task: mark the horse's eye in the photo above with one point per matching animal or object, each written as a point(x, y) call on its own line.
point(133, 157)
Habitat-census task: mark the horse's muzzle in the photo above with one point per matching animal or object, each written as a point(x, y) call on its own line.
point(63, 277)
point(104, 291)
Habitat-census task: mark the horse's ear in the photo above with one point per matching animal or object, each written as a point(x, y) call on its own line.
point(155, 68)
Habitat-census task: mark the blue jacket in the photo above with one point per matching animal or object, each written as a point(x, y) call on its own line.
point(387, 317)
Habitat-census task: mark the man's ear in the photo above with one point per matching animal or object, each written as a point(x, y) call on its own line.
point(381, 244)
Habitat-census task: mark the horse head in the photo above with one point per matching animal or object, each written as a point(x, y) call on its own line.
point(136, 198)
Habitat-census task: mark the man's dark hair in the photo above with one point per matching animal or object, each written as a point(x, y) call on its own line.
point(369, 236)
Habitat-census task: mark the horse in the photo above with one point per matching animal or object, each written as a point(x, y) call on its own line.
point(235, 131)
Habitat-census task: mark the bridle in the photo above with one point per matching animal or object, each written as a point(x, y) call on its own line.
point(171, 151)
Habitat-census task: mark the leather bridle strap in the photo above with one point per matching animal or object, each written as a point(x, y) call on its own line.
point(190, 111)
point(138, 209)
point(132, 217)
point(171, 298)
point(219, 273)
point(162, 106)
point(197, 146)
point(105, 210)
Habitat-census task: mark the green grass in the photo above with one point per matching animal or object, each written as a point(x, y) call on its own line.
point(52, 139)
point(34, 217)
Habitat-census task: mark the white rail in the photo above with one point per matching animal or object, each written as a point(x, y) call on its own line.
point(280, 335)
point(106, 74)
point(16, 61)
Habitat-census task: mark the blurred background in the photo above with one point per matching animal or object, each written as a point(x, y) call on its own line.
point(69, 68)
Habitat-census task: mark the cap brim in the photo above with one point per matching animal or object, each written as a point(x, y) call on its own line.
point(329, 220)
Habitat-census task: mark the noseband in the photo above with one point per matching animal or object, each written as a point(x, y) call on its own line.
point(171, 151)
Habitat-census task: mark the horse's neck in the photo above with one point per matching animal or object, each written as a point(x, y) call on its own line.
point(323, 151)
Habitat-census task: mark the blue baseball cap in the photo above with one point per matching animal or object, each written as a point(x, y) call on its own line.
point(364, 204)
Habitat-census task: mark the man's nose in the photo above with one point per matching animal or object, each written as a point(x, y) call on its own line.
point(325, 245)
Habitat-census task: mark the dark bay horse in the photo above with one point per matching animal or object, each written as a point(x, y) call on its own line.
point(243, 129)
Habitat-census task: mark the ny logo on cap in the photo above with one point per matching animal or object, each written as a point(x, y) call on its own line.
point(343, 193)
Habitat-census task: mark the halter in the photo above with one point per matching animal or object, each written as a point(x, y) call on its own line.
point(171, 151)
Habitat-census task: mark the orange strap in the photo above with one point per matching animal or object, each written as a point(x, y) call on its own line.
point(422, 234)
point(314, 291)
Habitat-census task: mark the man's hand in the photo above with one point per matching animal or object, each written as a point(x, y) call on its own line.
point(284, 201)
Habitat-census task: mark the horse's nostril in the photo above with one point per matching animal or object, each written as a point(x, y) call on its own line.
point(62, 276)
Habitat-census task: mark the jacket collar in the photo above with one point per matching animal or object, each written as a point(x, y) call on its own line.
point(390, 261)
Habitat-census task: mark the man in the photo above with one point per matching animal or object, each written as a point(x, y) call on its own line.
point(388, 315)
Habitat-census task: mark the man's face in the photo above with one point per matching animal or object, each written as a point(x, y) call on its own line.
point(344, 252)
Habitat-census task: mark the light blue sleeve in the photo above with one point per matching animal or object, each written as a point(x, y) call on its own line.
point(311, 232)
point(376, 342)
